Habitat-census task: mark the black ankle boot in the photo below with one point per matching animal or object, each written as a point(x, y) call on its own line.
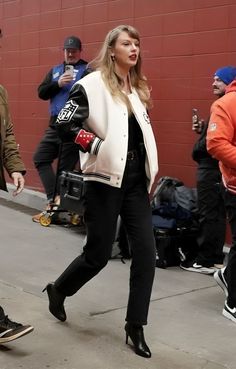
point(56, 301)
point(137, 337)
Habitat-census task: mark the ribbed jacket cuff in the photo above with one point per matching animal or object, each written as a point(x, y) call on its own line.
point(96, 146)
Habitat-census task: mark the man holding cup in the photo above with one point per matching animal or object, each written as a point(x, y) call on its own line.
point(211, 207)
point(55, 87)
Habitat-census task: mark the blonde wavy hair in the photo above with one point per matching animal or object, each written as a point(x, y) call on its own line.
point(105, 64)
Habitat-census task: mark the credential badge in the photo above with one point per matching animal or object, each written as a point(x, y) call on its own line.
point(55, 75)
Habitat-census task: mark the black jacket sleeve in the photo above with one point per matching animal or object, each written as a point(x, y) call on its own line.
point(72, 118)
point(48, 88)
point(199, 149)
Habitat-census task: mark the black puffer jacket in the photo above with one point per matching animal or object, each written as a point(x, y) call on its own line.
point(200, 153)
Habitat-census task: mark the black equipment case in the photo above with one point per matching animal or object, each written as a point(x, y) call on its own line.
point(72, 191)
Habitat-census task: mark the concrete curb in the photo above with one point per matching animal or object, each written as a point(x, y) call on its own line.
point(29, 198)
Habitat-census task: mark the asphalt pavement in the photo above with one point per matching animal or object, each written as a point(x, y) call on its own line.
point(186, 328)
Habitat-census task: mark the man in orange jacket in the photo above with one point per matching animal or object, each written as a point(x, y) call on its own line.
point(211, 208)
point(221, 144)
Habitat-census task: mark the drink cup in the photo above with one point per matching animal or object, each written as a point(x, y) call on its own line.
point(69, 69)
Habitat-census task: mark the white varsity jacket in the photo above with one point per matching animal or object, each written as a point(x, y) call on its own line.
point(91, 107)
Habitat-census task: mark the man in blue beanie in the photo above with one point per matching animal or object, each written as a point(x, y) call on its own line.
point(212, 216)
point(221, 144)
point(226, 74)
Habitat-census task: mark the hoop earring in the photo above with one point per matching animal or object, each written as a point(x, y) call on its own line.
point(113, 57)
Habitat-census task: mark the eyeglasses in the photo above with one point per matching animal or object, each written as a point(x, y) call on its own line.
point(72, 51)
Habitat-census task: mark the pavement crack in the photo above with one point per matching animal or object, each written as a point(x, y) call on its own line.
point(107, 311)
point(95, 313)
point(182, 293)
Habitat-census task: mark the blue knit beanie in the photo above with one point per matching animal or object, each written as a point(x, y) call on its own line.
point(226, 74)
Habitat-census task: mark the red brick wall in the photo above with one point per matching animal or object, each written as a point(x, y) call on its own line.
point(183, 43)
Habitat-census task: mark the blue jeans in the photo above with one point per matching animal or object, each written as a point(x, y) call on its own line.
point(103, 204)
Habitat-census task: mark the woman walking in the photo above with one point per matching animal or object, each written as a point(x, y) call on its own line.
point(106, 115)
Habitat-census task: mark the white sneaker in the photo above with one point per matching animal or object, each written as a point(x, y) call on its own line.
point(229, 313)
point(194, 267)
point(220, 279)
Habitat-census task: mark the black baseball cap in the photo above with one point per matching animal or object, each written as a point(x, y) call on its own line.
point(72, 42)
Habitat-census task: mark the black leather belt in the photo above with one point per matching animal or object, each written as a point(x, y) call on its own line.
point(132, 155)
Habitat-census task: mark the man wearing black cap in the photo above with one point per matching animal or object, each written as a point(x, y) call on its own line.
point(212, 216)
point(55, 87)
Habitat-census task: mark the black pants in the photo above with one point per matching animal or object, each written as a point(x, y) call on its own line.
point(47, 151)
point(2, 314)
point(212, 217)
point(230, 271)
point(103, 204)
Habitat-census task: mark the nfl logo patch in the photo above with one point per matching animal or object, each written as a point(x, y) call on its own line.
point(67, 112)
point(212, 126)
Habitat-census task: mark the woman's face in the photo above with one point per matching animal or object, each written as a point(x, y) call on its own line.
point(125, 51)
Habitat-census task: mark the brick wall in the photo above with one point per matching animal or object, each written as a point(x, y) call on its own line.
point(183, 43)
